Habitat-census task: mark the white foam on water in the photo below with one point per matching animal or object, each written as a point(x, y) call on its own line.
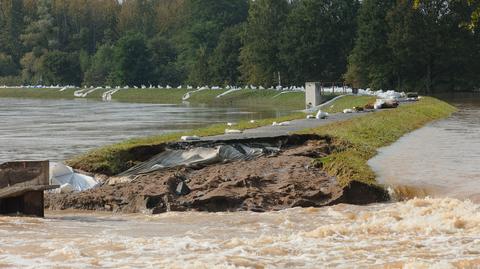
point(420, 233)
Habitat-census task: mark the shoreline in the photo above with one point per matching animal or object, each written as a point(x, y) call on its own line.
point(339, 164)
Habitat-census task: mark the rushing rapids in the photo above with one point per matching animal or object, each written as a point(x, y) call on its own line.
point(420, 233)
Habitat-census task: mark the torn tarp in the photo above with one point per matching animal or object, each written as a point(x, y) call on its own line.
point(199, 156)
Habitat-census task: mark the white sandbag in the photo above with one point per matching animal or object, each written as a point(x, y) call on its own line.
point(233, 131)
point(390, 95)
point(348, 110)
point(321, 115)
point(378, 104)
point(190, 138)
point(285, 123)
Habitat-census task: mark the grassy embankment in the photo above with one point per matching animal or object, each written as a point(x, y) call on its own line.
point(349, 101)
point(257, 98)
point(357, 140)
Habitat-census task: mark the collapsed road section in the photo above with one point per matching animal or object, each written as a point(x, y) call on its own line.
point(259, 174)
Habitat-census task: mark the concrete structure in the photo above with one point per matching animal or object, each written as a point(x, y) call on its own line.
point(21, 187)
point(313, 94)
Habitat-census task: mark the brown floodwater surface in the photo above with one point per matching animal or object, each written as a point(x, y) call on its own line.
point(38, 129)
point(439, 160)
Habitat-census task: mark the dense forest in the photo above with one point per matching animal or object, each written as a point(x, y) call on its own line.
point(421, 45)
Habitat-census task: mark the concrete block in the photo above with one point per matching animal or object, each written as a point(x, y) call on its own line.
point(313, 94)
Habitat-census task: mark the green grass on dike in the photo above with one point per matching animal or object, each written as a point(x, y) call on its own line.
point(36, 93)
point(349, 101)
point(357, 140)
point(245, 98)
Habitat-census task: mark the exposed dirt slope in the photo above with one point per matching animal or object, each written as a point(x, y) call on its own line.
point(289, 179)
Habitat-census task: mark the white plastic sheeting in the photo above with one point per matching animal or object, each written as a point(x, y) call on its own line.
point(64, 176)
point(198, 156)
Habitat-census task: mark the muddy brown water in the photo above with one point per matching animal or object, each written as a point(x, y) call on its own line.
point(439, 160)
point(440, 232)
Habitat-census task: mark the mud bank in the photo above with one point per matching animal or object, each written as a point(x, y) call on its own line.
point(286, 179)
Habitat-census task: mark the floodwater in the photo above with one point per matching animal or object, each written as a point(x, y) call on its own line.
point(420, 233)
point(439, 160)
point(33, 129)
point(439, 232)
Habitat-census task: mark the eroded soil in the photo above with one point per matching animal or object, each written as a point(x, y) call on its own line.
point(289, 179)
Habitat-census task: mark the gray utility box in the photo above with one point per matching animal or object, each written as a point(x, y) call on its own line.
point(313, 94)
point(21, 187)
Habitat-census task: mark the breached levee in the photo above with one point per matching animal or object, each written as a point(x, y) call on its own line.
point(259, 175)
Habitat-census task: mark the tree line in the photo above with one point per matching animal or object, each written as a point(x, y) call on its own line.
point(422, 45)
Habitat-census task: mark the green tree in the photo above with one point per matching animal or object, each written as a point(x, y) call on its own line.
point(164, 56)
point(61, 68)
point(431, 50)
point(137, 16)
point(259, 57)
point(204, 21)
point(100, 67)
point(370, 62)
point(11, 25)
point(318, 38)
point(7, 65)
point(132, 61)
point(39, 37)
point(225, 59)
